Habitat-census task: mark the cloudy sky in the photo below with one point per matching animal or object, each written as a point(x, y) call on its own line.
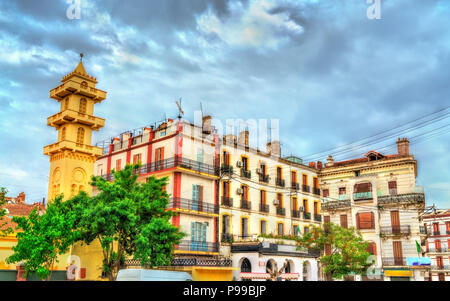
point(331, 75)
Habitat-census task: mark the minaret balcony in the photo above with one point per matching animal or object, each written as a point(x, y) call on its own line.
point(71, 116)
point(72, 146)
point(73, 87)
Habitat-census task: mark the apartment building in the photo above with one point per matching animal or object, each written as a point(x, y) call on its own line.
point(378, 195)
point(437, 228)
point(265, 201)
point(188, 156)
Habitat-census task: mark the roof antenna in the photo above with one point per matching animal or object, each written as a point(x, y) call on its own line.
point(81, 57)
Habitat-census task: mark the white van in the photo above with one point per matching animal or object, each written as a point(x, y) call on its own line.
point(152, 275)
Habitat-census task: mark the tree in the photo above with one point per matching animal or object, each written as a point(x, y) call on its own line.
point(342, 251)
point(41, 238)
point(3, 193)
point(129, 219)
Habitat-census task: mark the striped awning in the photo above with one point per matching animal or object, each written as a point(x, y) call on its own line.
point(267, 276)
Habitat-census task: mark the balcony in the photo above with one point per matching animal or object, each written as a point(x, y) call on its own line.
point(436, 232)
point(68, 116)
point(279, 182)
point(440, 267)
point(226, 169)
point(362, 196)
point(264, 178)
point(246, 205)
point(417, 196)
point(227, 201)
point(295, 213)
point(396, 230)
point(201, 262)
point(306, 188)
point(306, 215)
point(330, 205)
point(73, 87)
point(264, 208)
point(394, 261)
point(439, 250)
point(316, 191)
point(423, 230)
point(317, 217)
point(227, 238)
point(246, 174)
point(193, 205)
point(202, 246)
point(72, 146)
point(162, 165)
point(295, 186)
point(281, 211)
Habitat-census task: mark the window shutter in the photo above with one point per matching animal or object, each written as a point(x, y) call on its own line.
point(204, 232)
point(326, 219)
point(358, 224)
point(392, 185)
point(327, 249)
point(326, 193)
point(372, 220)
point(193, 231)
point(200, 193)
point(344, 223)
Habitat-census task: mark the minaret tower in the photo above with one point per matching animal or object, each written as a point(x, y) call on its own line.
point(72, 157)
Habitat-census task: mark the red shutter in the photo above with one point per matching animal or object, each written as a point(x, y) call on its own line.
point(326, 219)
point(366, 220)
point(344, 223)
point(326, 193)
point(358, 224)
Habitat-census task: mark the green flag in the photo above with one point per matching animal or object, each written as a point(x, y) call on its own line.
point(419, 250)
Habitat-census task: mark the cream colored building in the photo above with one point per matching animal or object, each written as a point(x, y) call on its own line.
point(266, 200)
point(378, 195)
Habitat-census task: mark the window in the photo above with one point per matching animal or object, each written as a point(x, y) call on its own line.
point(198, 236)
point(263, 227)
point(436, 229)
point(244, 227)
point(305, 179)
point(437, 245)
point(80, 136)
point(439, 262)
point(197, 197)
point(279, 173)
point(305, 229)
point(344, 223)
point(83, 104)
point(84, 85)
point(341, 190)
point(295, 230)
point(372, 248)
point(245, 163)
point(293, 177)
point(392, 185)
point(263, 168)
point(159, 158)
point(305, 205)
point(162, 133)
point(226, 224)
point(326, 219)
point(226, 158)
point(280, 200)
point(357, 173)
point(137, 159)
point(326, 193)
point(200, 155)
point(316, 208)
point(118, 164)
point(315, 182)
point(365, 220)
point(280, 227)
point(226, 189)
point(244, 195)
point(294, 203)
point(262, 197)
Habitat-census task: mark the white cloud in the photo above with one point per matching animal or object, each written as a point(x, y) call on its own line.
point(250, 27)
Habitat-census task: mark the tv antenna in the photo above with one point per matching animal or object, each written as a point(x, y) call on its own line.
point(180, 110)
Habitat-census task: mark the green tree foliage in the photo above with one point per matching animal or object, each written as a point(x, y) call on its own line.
point(129, 219)
point(347, 251)
point(43, 237)
point(3, 193)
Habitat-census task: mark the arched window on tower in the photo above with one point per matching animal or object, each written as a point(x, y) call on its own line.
point(84, 85)
point(83, 104)
point(80, 136)
point(63, 134)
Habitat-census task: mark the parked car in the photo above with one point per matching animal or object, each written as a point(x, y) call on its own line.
point(152, 275)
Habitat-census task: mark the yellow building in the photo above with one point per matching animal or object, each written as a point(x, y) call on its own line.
point(72, 157)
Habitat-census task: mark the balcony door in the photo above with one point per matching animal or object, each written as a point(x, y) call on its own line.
point(395, 222)
point(198, 236)
point(244, 227)
point(197, 197)
point(398, 253)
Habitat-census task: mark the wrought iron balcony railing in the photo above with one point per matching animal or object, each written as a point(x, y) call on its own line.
point(201, 262)
point(317, 217)
point(227, 201)
point(279, 182)
point(316, 191)
point(264, 208)
point(306, 215)
point(246, 173)
point(423, 230)
point(264, 178)
point(394, 261)
point(395, 230)
point(226, 168)
point(415, 197)
point(329, 205)
point(295, 186)
point(193, 245)
point(246, 205)
point(281, 211)
point(362, 196)
point(171, 163)
point(227, 237)
point(438, 250)
point(295, 213)
point(440, 267)
point(193, 205)
point(306, 188)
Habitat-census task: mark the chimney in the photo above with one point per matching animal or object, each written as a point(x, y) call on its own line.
point(319, 165)
point(330, 161)
point(273, 148)
point(403, 147)
point(229, 139)
point(312, 164)
point(243, 138)
point(206, 125)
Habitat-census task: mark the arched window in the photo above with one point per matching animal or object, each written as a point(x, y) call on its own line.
point(63, 134)
point(80, 136)
point(83, 104)
point(246, 266)
point(84, 85)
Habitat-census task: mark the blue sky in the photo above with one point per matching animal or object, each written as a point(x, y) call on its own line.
point(327, 72)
